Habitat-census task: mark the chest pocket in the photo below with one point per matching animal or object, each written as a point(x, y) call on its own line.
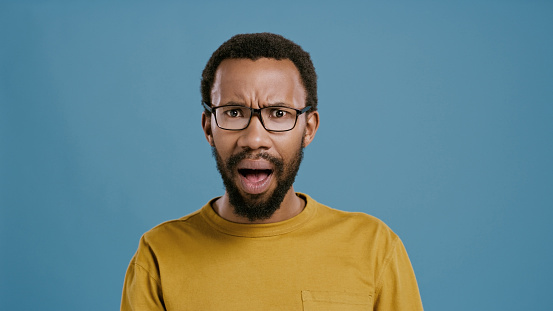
point(334, 301)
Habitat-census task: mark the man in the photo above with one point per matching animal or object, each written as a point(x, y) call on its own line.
point(262, 246)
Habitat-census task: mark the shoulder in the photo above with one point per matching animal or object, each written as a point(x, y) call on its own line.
point(360, 217)
point(355, 218)
point(166, 231)
point(355, 223)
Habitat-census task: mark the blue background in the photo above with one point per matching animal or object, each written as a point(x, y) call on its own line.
point(435, 117)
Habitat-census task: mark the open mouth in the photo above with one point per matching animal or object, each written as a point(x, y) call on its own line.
point(255, 176)
point(255, 181)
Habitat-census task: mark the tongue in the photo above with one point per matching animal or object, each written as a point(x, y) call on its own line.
point(256, 175)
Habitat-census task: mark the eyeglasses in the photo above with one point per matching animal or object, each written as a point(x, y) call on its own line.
point(273, 119)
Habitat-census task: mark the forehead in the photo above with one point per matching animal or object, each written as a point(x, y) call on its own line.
point(264, 77)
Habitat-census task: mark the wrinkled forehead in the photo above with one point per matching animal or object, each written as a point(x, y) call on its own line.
point(246, 68)
point(264, 79)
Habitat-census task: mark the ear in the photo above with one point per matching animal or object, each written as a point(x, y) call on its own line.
point(311, 127)
point(206, 125)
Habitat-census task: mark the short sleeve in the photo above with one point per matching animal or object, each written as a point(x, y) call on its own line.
point(142, 289)
point(397, 287)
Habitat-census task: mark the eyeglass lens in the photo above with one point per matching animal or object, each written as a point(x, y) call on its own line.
point(273, 118)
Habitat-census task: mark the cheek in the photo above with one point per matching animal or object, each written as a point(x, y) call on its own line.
point(222, 144)
point(226, 143)
point(222, 147)
point(289, 146)
point(221, 137)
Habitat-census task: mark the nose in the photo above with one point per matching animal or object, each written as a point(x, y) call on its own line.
point(255, 136)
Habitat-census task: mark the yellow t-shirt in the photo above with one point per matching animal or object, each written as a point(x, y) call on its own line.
point(321, 259)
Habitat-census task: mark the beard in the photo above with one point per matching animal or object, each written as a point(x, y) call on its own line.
point(253, 206)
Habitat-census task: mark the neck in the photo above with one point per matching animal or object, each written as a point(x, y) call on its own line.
point(291, 206)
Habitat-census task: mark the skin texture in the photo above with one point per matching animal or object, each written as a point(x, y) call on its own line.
point(258, 84)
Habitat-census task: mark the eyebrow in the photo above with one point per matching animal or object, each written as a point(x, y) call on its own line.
point(232, 104)
point(276, 104)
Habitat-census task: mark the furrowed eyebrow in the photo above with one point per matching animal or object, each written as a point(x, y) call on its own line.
point(233, 104)
point(279, 104)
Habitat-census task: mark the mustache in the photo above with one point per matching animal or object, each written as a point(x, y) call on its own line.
point(233, 160)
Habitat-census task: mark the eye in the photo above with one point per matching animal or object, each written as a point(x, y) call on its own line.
point(278, 113)
point(234, 113)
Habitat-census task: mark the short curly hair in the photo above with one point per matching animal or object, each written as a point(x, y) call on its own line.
point(262, 45)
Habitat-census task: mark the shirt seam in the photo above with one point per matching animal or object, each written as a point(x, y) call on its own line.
point(268, 233)
point(158, 282)
point(387, 260)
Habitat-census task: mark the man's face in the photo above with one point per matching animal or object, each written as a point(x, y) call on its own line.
point(258, 167)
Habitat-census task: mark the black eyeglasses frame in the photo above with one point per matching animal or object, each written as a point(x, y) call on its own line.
point(258, 112)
